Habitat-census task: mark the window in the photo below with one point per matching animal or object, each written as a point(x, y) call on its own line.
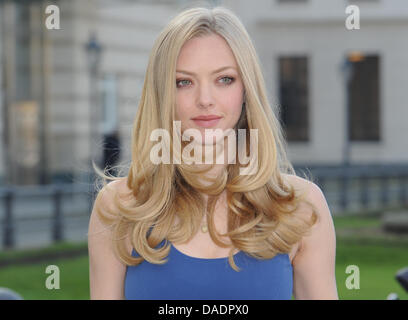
point(364, 108)
point(293, 96)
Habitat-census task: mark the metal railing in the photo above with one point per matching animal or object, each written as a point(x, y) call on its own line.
point(359, 184)
point(342, 186)
point(10, 195)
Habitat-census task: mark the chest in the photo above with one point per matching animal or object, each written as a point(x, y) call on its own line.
point(202, 245)
point(185, 277)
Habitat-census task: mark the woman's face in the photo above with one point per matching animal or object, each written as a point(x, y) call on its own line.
point(208, 84)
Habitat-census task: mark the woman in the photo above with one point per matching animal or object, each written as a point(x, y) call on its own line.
point(188, 230)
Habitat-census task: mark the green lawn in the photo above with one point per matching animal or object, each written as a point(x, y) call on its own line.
point(29, 281)
point(378, 256)
point(377, 266)
point(378, 260)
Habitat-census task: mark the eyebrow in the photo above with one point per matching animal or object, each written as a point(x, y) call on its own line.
point(215, 71)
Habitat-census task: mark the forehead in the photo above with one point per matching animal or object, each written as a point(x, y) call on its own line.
point(206, 52)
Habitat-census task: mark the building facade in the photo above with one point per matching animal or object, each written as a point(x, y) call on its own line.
point(64, 91)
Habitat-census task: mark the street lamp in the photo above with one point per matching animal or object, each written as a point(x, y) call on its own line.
point(347, 69)
point(94, 52)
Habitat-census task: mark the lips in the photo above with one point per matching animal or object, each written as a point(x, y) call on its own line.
point(206, 121)
point(206, 118)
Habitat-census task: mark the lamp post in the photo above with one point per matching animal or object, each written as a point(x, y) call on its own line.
point(347, 69)
point(94, 52)
point(347, 73)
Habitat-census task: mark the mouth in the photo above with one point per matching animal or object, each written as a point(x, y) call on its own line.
point(206, 121)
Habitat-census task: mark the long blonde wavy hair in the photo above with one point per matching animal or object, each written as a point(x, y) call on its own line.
point(262, 216)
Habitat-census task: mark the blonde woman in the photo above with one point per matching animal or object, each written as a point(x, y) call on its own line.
point(191, 230)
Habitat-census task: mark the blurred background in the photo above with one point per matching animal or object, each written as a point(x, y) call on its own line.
point(69, 95)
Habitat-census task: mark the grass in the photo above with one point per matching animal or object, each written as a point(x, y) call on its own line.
point(356, 222)
point(378, 258)
point(377, 265)
point(28, 279)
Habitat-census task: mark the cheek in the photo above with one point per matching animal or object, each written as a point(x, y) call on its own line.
point(180, 108)
point(238, 107)
point(182, 112)
point(235, 102)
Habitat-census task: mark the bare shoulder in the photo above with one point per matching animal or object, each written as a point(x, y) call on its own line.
point(105, 201)
point(107, 272)
point(310, 191)
point(115, 186)
point(314, 261)
point(119, 185)
point(300, 184)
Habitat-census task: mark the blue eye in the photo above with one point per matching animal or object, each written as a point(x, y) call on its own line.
point(178, 81)
point(185, 82)
point(231, 80)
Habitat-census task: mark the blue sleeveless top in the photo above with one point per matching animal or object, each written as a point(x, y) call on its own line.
point(184, 277)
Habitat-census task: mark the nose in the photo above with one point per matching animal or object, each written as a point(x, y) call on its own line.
point(205, 98)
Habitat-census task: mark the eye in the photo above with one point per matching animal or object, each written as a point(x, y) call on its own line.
point(181, 81)
point(185, 82)
point(230, 80)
